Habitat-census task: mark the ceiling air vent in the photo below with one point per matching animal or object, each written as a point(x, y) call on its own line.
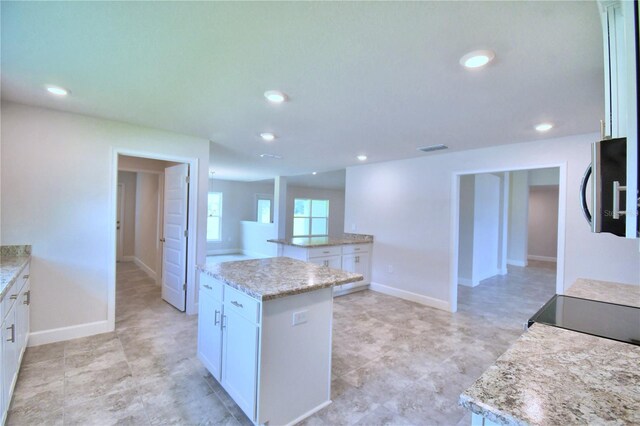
point(433, 148)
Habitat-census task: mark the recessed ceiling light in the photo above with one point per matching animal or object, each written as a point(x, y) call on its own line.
point(362, 157)
point(275, 96)
point(267, 137)
point(274, 156)
point(544, 127)
point(58, 91)
point(477, 58)
point(314, 173)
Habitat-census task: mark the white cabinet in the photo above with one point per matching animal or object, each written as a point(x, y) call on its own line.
point(328, 261)
point(209, 330)
point(14, 334)
point(358, 264)
point(620, 37)
point(276, 369)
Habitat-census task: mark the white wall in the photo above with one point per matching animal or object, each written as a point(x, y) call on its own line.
point(543, 222)
point(128, 180)
point(255, 236)
point(57, 182)
point(465, 244)
point(336, 207)
point(411, 221)
point(518, 218)
point(146, 239)
point(549, 176)
point(238, 204)
point(486, 227)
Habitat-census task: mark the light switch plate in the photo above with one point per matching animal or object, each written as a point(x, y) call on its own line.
point(299, 317)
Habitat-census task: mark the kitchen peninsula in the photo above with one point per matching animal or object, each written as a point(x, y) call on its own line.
point(350, 252)
point(556, 376)
point(264, 333)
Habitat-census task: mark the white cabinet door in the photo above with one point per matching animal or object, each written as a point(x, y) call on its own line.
point(22, 317)
point(334, 262)
point(240, 361)
point(9, 351)
point(210, 333)
point(363, 266)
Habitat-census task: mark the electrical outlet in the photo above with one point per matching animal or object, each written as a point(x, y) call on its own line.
point(390, 269)
point(299, 317)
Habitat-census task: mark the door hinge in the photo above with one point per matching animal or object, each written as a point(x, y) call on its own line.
point(184, 286)
point(186, 179)
point(186, 233)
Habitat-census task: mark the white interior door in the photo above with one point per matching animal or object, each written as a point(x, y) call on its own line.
point(120, 224)
point(174, 253)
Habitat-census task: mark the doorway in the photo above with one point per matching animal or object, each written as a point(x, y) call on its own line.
point(157, 223)
point(508, 230)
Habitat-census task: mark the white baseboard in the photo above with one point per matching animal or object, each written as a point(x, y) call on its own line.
point(128, 258)
point(517, 262)
point(503, 271)
point(217, 252)
point(38, 338)
point(466, 281)
point(542, 258)
point(145, 268)
point(414, 297)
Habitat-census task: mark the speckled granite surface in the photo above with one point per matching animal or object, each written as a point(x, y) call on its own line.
point(325, 241)
point(275, 277)
point(605, 291)
point(552, 376)
point(13, 259)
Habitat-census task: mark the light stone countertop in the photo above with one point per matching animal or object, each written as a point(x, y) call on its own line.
point(275, 277)
point(552, 376)
point(310, 242)
point(13, 259)
point(557, 376)
point(605, 291)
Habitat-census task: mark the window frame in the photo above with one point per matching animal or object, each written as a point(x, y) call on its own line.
point(310, 217)
point(221, 195)
point(265, 197)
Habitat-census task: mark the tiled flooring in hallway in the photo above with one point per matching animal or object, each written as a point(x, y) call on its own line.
point(394, 362)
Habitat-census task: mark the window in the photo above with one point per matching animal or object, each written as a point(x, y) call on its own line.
point(310, 217)
point(214, 216)
point(264, 210)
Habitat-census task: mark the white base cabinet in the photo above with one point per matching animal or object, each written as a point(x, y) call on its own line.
point(276, 368)
point(348, 257)
point(15, 335)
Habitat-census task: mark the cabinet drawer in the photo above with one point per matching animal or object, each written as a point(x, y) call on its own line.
point(325, 251)
point(242, 303)
point(13, 292)
point(211, 286)
point(356, 248)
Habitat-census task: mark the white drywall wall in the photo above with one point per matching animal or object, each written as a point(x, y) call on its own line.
point(549, 176)
point(57, 193)
point(146, 241)
point(518, 218)
point(254, 239)
point(486, 227)
point(543, 222)
point(465, 248)
point(406, 205)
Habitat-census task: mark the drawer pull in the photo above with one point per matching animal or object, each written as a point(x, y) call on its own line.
point(28, 298)
point(26, 277)
point(326, 251)
point(216, 321)
point(13, 297)
point(357, 249)
point(207, 286)
point(239, 305)
point(13, 333)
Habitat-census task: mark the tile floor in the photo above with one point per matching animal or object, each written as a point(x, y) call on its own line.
point(394, 362)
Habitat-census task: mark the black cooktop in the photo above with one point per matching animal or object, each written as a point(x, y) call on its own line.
point(608, 320)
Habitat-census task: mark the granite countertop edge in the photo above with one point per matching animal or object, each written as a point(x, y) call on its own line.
point(493, 414)
point(336, 242)
point(271, 296)
point(23, 262)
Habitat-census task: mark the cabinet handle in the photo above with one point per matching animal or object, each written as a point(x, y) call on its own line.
point(13, 297)
point(207, 286)
point(325, 263)
point(216, 321)
point(25, 277)
point(162, 240)
point(13, 333)
point(28, 297)
point(239, 305)
point(224, 323)
point(357, 259)
point(617, 188)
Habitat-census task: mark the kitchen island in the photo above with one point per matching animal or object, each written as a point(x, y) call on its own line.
point(557, 376)
point(349, 252)
point(264, 332)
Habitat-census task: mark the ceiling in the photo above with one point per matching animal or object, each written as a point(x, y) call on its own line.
point(375, 78)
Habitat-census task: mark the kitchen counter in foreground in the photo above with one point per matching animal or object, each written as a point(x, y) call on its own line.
point(13, 260)
point(275, 277)
point(555, 376)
